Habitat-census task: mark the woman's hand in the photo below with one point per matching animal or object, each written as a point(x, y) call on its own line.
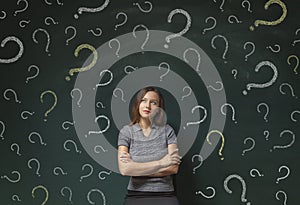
point(125, 157)
point(169, 159)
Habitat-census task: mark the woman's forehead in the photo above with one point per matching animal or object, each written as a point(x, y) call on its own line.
point(151, 95)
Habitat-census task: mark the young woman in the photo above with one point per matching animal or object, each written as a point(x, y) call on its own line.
point(147, 151)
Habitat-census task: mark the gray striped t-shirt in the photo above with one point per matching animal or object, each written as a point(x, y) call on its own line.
point(145, 149)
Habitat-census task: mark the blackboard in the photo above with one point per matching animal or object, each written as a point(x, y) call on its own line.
point(237, 129)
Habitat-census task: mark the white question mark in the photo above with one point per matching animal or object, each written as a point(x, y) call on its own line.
point(292, 115)
point(12, 180)
point(95, 190)
point(49, 18)
point(200, 158)
point(109, 81)
point(198, 57)
point(167, 67)
point(263, 85)
point(255, 170)
point(296, 41)
point(70, 192)
point(232, 108)
point(288, 145)
point(38, 165)
point(67, 122)
point(4, 15)
point(274, 50)
point(21, 10)
point(105, 129)
point(131, 67)
point(252, 146)
point(89, 174)
point(201, 120)
point(99, 30)
point(147, 34)
point(248, 7)
point(80, 95)
point(212, 27)
point(3, 130)
point(74, 33)
point(217, 89)
point(118, 45)
point(36, 73)
point(189, 92)
point(232, 176)
point(122, 23)
point(221, 6)
point(188, 24)
point(74, 144)
point(100, 104)
point(55, 171)
point(226, 45)
point(207, 196)
point(234, 73)
point(26, 112)
point(122, 93)
point(284, 194)
point(297, 62)
point(103, 172)
point(267, 133)
point(20, 53)
point(91, 10)
point(252, 50)
point(267, 110)
point(24, 23)
point(47, 35)
point(16, 198)
point(39, 136)
point(17, 147)
point(101, 148)
point(230, 17)
point(14, 94)
point(289, 86)
point(142, 9)
point(285, 176)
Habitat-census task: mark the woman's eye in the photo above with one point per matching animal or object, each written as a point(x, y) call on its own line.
point(154, 102)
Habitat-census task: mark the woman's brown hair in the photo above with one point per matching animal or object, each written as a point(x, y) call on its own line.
point(135, 115)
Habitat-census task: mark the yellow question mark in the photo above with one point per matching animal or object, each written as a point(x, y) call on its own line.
point(55, 101)
point(41, 187)
point(76, 52)
point(223, 140)
point(297, 62)
point(271, 23)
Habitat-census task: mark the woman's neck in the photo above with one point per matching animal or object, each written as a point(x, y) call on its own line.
point(144, 124)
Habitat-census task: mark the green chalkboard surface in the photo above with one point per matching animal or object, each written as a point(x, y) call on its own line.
point(228, 71)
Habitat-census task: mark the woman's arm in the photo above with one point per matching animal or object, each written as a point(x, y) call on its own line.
point(128, 167)
point(173, 169)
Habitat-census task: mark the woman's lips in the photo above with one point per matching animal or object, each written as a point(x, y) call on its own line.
point(146, 111)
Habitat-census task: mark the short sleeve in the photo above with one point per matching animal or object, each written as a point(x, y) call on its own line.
point(171, 136)
point(124, 136)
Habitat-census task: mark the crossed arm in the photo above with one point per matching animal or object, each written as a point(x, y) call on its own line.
point(165, 166)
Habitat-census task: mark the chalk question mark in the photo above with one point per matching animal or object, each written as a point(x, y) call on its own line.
point(103, 130)
point(223, 141)
point(200, 158)
point(285, 176)
point(212, 26)
point(232, 176)
point(38, 165)
point(252, 146)
point(122, 93)
point(39, 136)
point(20, 53)
point(88, 67)
point(207, 196)
point(103, 172)
point(289, 144)
point(46, 191)
point(147, 34)
point(226, 45)
point(36, 72)
point(267, 84)
point(167, 67)
point(74, 144)
point(198, 57)
point(188, 24)
point(14, 94)
point(284, 194)
point(252, 50)
point(271, 23)
point(54, 104)
point(12, 180)
point(91, 10)
point(89, 174)
point(3, 130)
point(199, 121)
point(74, 33)
point(96, 190)
point(47, 35)
point(23, 9)
point(142, 9)
point(189, 92)
point(297, 62)
point(70, 192)
point(123, 22)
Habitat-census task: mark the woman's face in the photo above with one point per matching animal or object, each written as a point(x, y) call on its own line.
point(149, 102)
